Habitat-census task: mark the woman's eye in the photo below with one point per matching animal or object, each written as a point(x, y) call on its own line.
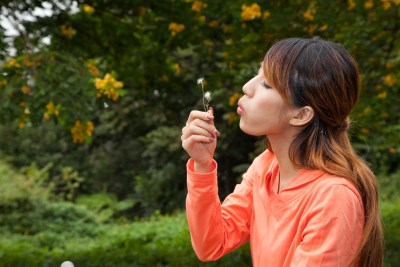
point(265, 85)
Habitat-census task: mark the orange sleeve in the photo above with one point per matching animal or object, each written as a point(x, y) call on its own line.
point(217, 229)
point(333, 228)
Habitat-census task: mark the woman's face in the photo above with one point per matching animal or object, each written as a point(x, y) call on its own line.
point(262, 110)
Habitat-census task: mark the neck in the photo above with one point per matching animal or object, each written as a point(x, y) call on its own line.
point(280, 146)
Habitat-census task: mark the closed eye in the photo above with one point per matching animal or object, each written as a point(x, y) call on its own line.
point(265, 85)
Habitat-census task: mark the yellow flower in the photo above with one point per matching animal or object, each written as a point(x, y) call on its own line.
point(51, 110)
point(396, 2)
point(26, 89)
point(234, 98)
point(386, 4)
point(392, 150)
point(80, 131)
point(175, 28)
point(369, 4)
point(88, 9)
point(197, 6)
point(93, 69)
point(109, 87)
point(12, 63)
point(89, 128)
point(177, 68)
point(67, 31)
point(21, 124)
point(382, 95)
point(251, 12)
point(309, 14)
point(351, 4)
point(389, 80)
point(266, 14)
point(323, 28)
point(46, 116)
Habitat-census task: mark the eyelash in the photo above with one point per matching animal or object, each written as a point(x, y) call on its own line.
point(265, 85)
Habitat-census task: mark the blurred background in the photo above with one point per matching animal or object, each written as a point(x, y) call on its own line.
point(93, 96)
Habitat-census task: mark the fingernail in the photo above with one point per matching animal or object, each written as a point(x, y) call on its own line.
point(217, 133)
point(211, 139)
point(209, 117)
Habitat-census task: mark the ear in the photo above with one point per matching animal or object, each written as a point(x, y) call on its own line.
point(302, 116)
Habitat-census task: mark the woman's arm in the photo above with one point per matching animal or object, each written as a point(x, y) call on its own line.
point(217, 229)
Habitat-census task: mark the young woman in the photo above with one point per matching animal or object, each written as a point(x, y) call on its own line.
point(308, 200)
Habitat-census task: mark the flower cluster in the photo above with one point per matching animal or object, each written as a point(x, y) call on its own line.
point(12, 63)
point(369, 4)
point(389, 80)
point(109, 87)
point(81, 131)
point(197, 6)
point(309, 14)
point(67, 31)
point(175, 28)
point(51, 110)
point(93, 69)
point(251, 12)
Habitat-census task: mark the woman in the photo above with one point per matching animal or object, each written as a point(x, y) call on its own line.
point(308, 200)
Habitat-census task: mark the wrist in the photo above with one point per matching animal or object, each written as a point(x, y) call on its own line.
point(202, 167)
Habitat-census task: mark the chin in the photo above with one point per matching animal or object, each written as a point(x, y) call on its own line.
point(248, 130)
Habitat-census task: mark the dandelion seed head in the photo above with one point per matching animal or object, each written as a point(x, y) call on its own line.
point(200, 80)
point(207, 96)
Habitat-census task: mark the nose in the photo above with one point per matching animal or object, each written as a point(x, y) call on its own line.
point(247, 88)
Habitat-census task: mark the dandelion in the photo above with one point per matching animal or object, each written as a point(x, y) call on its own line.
point(206, 95)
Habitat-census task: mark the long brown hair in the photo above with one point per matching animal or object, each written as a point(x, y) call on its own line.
point(324, 76)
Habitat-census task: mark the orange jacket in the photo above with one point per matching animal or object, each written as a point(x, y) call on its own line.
point(317, 220)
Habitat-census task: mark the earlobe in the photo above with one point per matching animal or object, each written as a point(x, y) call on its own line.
point(302, 116)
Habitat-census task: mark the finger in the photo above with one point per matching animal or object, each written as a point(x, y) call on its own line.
point(196, 114)
point(194, 129)
point(189, 142)
point(207, 126)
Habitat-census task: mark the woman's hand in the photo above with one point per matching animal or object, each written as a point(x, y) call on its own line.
point(199, 139)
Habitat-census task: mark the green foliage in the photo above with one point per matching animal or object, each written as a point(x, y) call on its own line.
point(119, 80)
point(22, 192)
point(105, 206)
point(391, 225)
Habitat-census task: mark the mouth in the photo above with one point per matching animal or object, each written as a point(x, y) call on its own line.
point(240, 109)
